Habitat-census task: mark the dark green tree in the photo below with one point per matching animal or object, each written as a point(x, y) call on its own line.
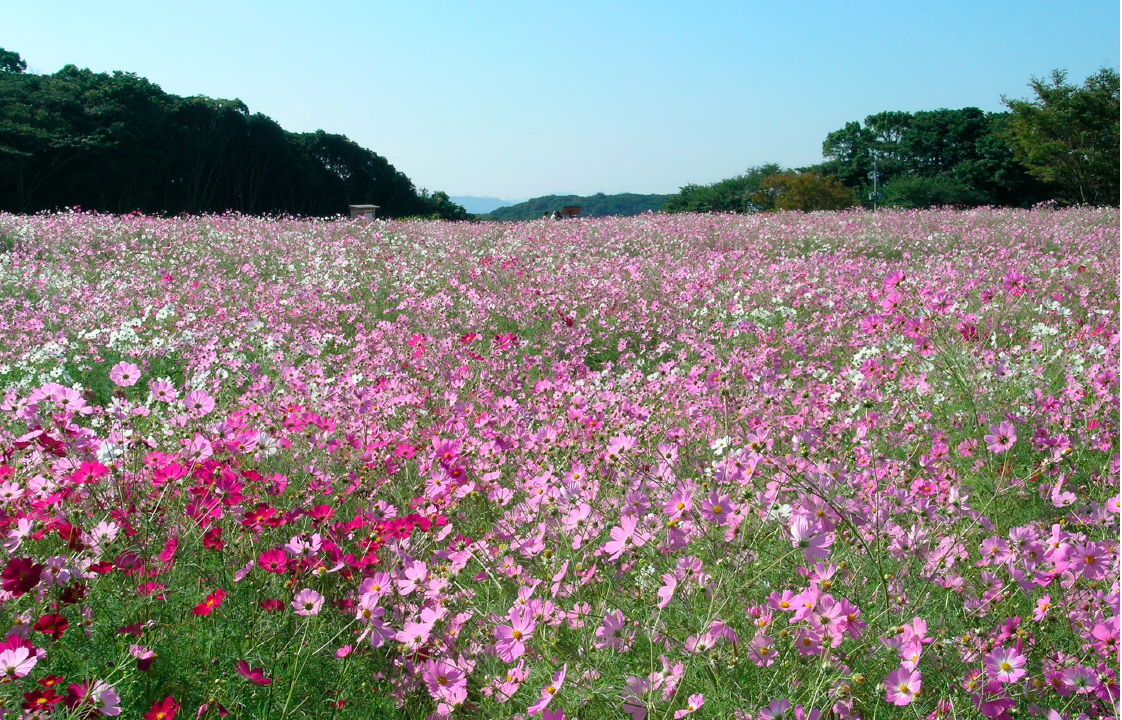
point(116, 142)
point(736, 194)
point(1068, 135)
point(11, 62)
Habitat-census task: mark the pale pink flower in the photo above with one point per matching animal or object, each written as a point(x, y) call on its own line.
point(624, 537)
point(16, 663)
point(1006, 665)
point(902, 686)
point(763, 650)
point(413, 577)
point(124, 374)
point(307, 602)
point(666, 592)
point(162, 390)
point(611, 632)
point(804, 537)
point(693, 705)
point(198, 403)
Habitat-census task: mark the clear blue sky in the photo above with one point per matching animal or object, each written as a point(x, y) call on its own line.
point(518, 99)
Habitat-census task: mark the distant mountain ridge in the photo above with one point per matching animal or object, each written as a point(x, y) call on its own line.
point(598, 205)
point(481, 205)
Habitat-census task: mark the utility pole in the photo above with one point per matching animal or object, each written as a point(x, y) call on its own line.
point(875, 194)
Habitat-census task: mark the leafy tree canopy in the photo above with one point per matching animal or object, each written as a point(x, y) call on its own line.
point(11, 62)
point(1068, 135)
point(116, 142)
point(736, 194)
point(597, 205)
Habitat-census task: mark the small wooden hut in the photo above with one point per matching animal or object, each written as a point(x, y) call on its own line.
point(366, 212)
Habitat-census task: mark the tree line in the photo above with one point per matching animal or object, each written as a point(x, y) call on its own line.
point(1062, 145)
point(115, 142)
point(598, 205)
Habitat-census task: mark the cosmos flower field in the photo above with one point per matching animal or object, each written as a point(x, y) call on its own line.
point(754, 467)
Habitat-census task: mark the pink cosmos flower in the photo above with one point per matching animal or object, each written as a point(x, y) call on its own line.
point(902, 686)
point(16, 663)
point(273, 561)
point(717, 509)
point(775, 710)
point(1081, 679)
point(198, 403)
point(1001, 438)
point(307, 602)
point(611, 632)
point(910, 653)
point(103, 696)
point(1006, 665)
point(678, 504)
point(763, 650)
point(143, 655)
point(624, 536)
point(511, 639)
point(803, 536)
point(693, 705)
point(254, 675)
point(808, 641)
point(1014, 283)
point(414, 634)
point(162, 390)
point(124, 374)
point(549, 691)
point(413, 577)
point(442, 679)
point(666, 592)
point(1088, 559)
point(1042, 606)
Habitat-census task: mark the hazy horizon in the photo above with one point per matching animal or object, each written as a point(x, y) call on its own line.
point(513, 101)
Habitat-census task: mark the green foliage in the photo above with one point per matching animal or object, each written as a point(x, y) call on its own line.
point(598, 205)
point(965, 148)
point(738, 194)
point(1068, 135)
point(11, 62)
point(806, 191)
point(914, 191)
point(117, 143)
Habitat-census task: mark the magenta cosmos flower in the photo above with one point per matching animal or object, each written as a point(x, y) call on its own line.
point(1001, 438)
point(511, 639)
point(124, 374)
point(254, 675)
point(307, 602)
point(902, 686)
